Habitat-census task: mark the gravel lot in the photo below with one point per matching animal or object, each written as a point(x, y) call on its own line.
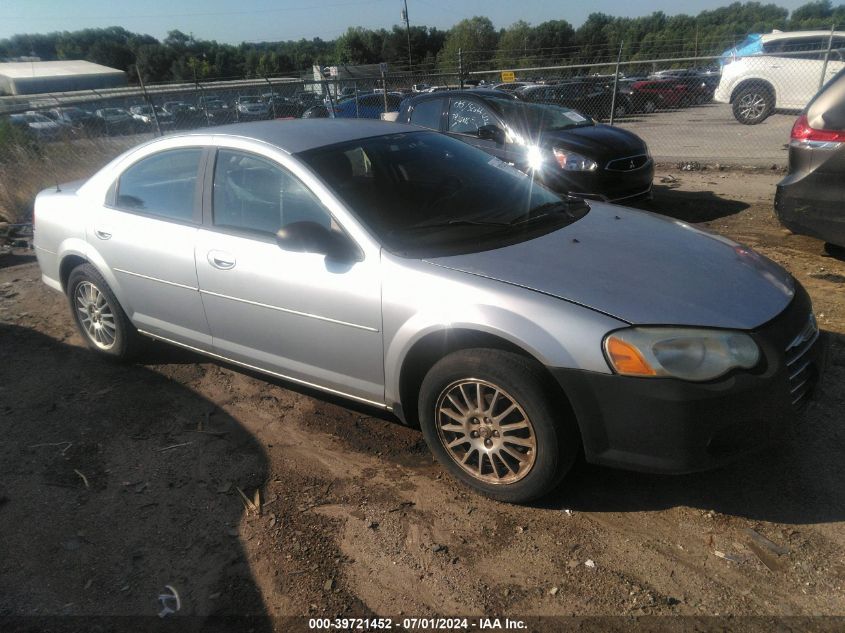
point(116, 480)
point(709, 134)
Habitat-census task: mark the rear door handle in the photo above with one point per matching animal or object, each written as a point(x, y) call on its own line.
point(221, 260)
point(103, 234)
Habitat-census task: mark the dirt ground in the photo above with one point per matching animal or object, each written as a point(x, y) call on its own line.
point(117, 480)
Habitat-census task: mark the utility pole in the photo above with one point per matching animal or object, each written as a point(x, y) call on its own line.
point(408, 32)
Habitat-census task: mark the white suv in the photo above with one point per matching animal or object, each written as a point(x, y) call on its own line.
point(778, 71)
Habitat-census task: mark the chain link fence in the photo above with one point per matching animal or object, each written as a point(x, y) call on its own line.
point(691, 110)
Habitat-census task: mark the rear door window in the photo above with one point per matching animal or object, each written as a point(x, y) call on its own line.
point(163, 184)
point(427, 113)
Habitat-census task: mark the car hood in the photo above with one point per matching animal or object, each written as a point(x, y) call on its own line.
point(595, 141)
point(641, 268)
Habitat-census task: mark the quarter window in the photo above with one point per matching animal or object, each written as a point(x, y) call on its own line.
point(427, 114)
point(254, 194)
point(163, 184)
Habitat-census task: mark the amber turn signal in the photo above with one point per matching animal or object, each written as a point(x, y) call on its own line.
point(626, 358)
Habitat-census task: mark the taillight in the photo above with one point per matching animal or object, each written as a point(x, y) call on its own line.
point(802, 132)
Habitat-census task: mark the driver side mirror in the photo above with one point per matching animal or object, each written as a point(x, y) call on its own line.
point(491, 133)
point(310, 237)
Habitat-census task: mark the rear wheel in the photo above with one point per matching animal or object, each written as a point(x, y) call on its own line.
point(98, 315)
point(491, 419)
point(753, 104)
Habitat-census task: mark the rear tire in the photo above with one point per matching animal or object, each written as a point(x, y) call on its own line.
point(752, 104)
point(99, 317)
point(505, 434)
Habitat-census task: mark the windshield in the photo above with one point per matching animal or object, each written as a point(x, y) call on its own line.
point(250, 99)
point(421, 192)
point(538, 117)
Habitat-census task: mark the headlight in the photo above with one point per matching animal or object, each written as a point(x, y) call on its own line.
point(688, 354)
point(573, 161)
point(535, 157)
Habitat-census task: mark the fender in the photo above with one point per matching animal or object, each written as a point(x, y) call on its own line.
point(536, 323)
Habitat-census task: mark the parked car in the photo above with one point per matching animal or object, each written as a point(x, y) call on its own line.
point(144, 119)
point(215, 109)
point(283, 108)
point(811, 199)
point(251, 108)
point(184, 114)
point(699, 85)
point(567, 151)
point(411, 272)
point(319, 111)
point(657, 93)
point(369, 106)
point(114, 121)
point(592, 98)
point(308, 98)
point(38, 126)
point(510, 86)
point(76, 118)
point(778, 71)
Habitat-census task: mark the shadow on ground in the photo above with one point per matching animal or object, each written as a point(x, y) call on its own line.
point(690, 206)
point(108, 492)
point(796, 480)
point(16, 259)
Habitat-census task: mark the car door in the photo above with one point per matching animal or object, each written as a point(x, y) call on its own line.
point(467, 114)
point(145, 233)
point(300, 315)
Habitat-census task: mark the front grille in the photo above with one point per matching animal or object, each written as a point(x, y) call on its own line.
point(629, 163)
point(800, 366)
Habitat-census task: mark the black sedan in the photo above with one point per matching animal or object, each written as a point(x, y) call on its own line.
point(811, 199)
point(567, 151)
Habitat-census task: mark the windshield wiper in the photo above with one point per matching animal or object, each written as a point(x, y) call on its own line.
point(570, 203)
point(435, 225)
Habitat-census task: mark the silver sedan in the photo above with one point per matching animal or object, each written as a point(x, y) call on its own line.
point(411, 272)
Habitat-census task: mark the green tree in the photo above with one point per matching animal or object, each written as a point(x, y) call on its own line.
point(476, 37)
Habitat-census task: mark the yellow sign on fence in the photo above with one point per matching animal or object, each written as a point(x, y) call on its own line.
point(508, 76)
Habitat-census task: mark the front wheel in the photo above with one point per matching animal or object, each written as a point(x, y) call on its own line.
point(490, 417)
point(98, 315)
point(753, 104)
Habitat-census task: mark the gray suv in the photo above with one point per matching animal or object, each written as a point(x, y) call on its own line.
point(409, 271)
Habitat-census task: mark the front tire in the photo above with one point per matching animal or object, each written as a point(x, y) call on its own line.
point(753, 104)
point(99, 317)
point(491, 419)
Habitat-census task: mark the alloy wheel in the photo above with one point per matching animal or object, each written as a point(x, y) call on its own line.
point(752, 106)
point(485, 431)
point(95, 315)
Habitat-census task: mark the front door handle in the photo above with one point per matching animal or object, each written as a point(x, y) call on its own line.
point(103, 234)
point(221, 260)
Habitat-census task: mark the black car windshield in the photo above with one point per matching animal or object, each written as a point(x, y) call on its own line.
point(422, 191)
point(537, 117)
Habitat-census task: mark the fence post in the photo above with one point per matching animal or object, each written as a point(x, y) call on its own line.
point(383, 85)
point(148, 100)
point(272, 95)
point(461, 67)
point(827, 56)
point(355, 88)
point(615, 83)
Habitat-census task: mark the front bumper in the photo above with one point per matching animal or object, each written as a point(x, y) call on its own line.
point(672, 426)
point(603, 184)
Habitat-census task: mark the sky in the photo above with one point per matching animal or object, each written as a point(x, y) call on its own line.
point(259, 20)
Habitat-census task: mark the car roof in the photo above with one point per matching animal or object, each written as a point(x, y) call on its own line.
point(472, 92)
point(299, 135)
point(780, 35)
